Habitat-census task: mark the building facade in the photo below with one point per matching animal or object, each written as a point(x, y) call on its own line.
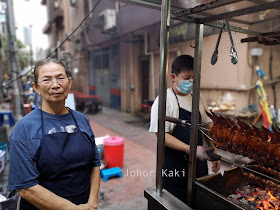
point(115, 54)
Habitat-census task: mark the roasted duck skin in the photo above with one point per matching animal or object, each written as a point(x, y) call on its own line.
point(240, 138)
point(268, 183)
point(269, 171)
point(216, 131)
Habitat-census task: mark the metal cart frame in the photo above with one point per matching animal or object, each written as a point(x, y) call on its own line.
point(157, 197)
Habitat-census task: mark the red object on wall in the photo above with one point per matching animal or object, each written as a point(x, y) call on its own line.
point(115, 91)
point(92, 88)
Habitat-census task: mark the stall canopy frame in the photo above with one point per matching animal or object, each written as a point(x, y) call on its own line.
point(210, 13)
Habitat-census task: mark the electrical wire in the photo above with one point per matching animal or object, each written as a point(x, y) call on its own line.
point(18, 77)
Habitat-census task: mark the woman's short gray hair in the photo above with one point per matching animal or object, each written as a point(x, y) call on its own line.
point(46, 61)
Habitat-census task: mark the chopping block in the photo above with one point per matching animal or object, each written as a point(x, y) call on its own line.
point(110, 172)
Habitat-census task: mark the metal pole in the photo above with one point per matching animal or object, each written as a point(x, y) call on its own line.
point(13, 59)
point(195, 111)
point(31, 51)
point(164, 43)
point(1, 72)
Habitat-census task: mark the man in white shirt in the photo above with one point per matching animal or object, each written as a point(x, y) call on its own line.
point(179, 105)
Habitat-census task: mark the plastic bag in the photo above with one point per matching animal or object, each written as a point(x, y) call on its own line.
point(12, 198)
point(227, 102)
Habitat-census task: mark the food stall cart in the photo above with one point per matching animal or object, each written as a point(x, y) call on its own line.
point(209, 192)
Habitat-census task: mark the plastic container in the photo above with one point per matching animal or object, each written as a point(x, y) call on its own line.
point(114, 151)
point(3, 146)
point(100, 152)
point(27, 108)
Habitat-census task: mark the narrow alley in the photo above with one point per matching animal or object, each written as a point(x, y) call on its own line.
point(139, 160)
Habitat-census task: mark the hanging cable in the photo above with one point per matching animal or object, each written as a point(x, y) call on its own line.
point(75, 29)
point(18, 77)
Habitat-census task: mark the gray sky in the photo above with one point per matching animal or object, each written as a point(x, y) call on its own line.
point(31, 12)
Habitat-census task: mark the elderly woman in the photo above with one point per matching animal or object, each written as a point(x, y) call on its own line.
point(54, 163)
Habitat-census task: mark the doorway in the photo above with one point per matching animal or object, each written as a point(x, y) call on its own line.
point(145, 79)
point(102, 79)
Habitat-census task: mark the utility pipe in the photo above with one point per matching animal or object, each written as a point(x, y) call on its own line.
point(164, 45)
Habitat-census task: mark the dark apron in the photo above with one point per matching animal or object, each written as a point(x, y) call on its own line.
point(64, 162)
point(178, 161)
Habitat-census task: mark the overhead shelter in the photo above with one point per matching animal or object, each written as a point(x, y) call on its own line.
point(243, 16)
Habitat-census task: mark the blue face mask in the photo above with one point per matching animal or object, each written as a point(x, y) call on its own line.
point(185, 86)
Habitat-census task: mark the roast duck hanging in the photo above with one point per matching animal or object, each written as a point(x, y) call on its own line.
point(240, 138)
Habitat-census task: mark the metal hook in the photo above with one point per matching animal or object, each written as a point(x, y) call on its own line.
point(191, 45)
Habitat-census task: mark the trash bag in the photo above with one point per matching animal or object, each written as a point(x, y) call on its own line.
point(10, 203)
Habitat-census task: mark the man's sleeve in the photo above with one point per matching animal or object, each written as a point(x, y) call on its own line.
point(154, 117)
point(168, 113)
point(22, 168)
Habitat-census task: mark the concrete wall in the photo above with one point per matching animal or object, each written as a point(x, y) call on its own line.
point(269, 53)
point(223, 77)
point(130, 99)
point(133, 25)
point(73, 15)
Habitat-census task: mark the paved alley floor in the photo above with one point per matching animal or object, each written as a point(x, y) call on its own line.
point(139, 160)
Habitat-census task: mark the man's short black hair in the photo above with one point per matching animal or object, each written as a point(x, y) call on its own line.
point(182, 62)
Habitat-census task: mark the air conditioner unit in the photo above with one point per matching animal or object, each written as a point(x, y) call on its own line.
point(108, 19)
